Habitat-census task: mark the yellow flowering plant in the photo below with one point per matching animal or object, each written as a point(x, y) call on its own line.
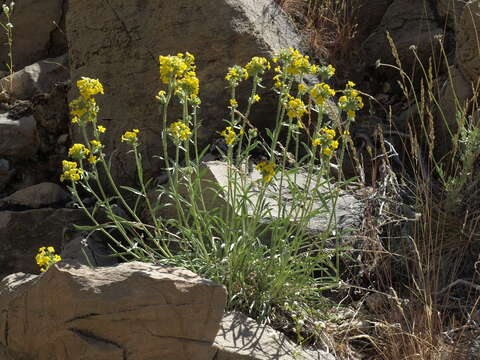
point(228, 244)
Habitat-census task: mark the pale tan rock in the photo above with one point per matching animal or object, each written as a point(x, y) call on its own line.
point(119, 42)
point(241, 338)
point(468, 41)
point(134, 310)
point(214, 186)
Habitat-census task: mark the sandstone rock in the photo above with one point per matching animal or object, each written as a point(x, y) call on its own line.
point(468, 41)
point(36, 196)
point(119, 42)
point(409, 22)
point(23, 232)
point(37, 78)
point(134, 310)
point(33, 25)
point(19, 137)
point(241, 338)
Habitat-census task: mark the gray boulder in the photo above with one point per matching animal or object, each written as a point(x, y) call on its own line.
point(36, 196)
point(119, 42)
point(468, 39)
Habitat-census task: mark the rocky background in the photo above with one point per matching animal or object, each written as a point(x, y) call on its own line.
point(118, 41)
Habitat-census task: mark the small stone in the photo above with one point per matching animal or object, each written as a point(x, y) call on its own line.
point(62, 139)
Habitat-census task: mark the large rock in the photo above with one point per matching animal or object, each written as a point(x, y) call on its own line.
point(409, 22)
point(119, 42)
point(468, 41)
point(133, 310)
point(348, 208)
point(36, 196)
point(451, 10)
point(19, 137)
point(241, 338)
point(34, 23)
point(369, 14)
point(37, 78)
point(23, 232)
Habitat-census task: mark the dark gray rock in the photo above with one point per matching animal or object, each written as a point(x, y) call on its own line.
point(36, 196)
point(19, 137)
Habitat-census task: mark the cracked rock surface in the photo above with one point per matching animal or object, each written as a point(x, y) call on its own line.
point(129, 311)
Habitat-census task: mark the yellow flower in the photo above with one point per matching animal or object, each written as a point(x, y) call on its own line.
point(75, 120)
point(46, 257)
point(235, 75)
point(96, 144)
point(78, 152)
point(179, 131)
point(130, 136)
point(189, 84)
point(257, 66)
point(229, 135)
point(233, 103)
point(89, 87)
point(327, 151)
point(316, 142)
point(71, 171)
point(101, 129)
point(256, 98)
point(334, 144)
point(267, 169)
point(321, 92)
point(174, 67)
point(326, 72)
point(351, 114)
point(295, 108)
point(350, 84)
point(92, 159)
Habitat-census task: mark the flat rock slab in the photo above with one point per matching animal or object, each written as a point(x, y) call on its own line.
point(241, 338)
point(119, 41)
point(132, 311)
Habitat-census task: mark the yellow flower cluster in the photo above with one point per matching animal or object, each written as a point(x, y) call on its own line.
point(189, 84)
point(257, 66)
point(229, 135)
point(130, 136)
point(71, 171)
point(173, 67)
point(326, 72)
point(325, 139)
point(46, 257)
point(267, 169)
point(84, 108)
point(351, 101)
point(78, 152)
point(179, 130)
point(321, 92)
point(89, 87)
point(295, 63)
point(295, 107)
point(235, 75)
